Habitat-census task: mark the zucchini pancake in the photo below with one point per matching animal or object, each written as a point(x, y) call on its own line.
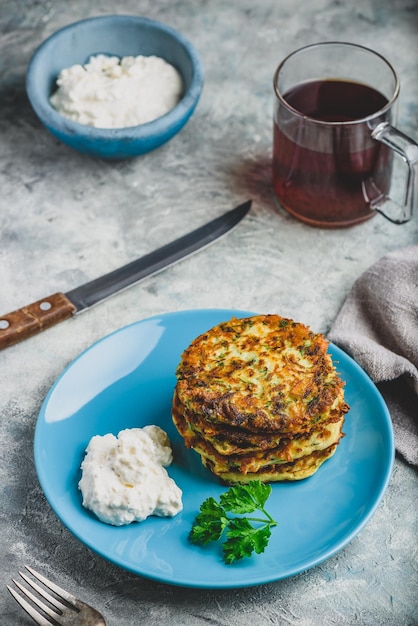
point(259, 398)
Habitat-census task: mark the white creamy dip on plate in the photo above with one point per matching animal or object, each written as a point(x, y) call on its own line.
point(124, 478)
point(108, 92)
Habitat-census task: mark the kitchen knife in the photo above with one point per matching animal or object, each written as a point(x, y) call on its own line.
point(32, 319)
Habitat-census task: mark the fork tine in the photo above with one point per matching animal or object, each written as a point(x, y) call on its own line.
point(65, 595)
point(57, 604)
point(62, 608)
point(37, 617)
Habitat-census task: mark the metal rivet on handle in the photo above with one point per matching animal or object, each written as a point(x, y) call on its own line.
point(4, 324)
point(45, 306)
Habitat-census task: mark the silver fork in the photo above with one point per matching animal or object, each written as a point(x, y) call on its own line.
point(65, 609)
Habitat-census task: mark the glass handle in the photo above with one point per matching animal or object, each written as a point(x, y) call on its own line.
point(407, 148)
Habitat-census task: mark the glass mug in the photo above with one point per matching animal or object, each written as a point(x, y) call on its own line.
point(334, 140)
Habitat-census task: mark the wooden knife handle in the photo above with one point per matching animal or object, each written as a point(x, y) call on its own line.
point(32, 319)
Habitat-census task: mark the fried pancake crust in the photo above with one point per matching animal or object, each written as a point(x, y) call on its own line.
point(259, 398)
point(298, 470)
point(244, 461)
point(262, 373)
point(231, 441)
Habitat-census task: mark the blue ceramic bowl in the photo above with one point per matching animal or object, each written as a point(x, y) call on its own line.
point(119, 35)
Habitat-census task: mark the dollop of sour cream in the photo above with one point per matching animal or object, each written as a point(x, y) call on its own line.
point(109, 92)
point(124, 478)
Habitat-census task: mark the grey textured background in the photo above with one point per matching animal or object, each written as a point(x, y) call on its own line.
point(66, 218)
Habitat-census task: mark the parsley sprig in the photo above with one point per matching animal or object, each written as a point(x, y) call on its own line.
point(242, 536)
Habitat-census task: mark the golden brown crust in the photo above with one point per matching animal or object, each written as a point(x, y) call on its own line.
point(259, 397)
point(244, 460)
point(228, 440)
point(298, 470)
point(263, 373)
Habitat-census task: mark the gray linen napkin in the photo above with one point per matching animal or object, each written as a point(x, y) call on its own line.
point(378, 326)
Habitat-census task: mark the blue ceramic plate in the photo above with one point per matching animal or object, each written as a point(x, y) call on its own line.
point(127, 380)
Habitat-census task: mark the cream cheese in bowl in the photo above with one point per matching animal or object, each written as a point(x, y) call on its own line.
point(116, 36)
point(124, 478)
point(108, 92)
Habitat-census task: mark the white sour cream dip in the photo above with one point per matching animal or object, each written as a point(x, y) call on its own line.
point(109, 92)
point(124, 478)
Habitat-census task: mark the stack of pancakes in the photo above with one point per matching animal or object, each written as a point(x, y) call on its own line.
point(259, 398)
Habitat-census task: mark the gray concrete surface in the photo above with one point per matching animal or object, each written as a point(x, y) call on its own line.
point(66, 218)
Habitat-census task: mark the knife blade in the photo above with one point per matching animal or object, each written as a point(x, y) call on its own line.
point(36, 317)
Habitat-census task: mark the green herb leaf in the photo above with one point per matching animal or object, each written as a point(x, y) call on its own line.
point(246, 498)
point(238, 499)
point(209, 524)
point(260, 492)
point(242, 537)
